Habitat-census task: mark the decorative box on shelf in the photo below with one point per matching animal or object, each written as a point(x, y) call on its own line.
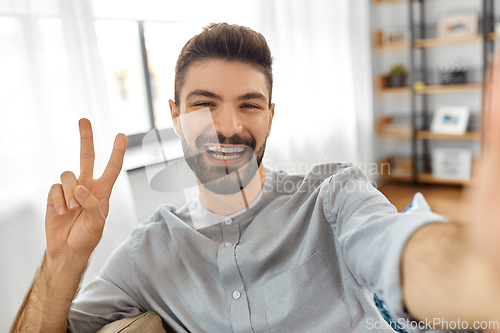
point(451, 163)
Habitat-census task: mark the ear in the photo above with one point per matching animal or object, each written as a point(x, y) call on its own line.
point(174, 112)
point(271, 116)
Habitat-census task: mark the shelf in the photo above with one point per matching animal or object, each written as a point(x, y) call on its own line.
point(398, 127)
point(392, 46)
point(384, 121)
point(381, 87)
point(430, 42)
point(383, 132)
point(388, 1)
point(440, 89)
point(385, 166)
point(493, 36)
point(379, 43)
point(426, 178)
point(434, 136)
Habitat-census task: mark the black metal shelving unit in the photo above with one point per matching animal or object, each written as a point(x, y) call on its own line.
point(420, 116)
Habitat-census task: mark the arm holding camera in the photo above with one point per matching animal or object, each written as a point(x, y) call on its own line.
point(451, 271)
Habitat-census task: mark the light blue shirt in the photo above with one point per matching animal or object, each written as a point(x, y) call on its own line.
point(306, 256)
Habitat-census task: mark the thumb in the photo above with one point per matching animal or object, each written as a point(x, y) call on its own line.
point(90, 206)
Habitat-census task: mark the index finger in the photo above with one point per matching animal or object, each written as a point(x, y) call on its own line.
point(87, 154)
point(116, 160)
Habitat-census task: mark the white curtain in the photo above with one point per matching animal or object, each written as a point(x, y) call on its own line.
point(50, 77)
point(322, 82)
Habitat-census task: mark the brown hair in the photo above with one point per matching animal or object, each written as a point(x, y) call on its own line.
point(228, 42)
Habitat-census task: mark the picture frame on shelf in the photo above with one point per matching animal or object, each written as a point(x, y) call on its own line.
point(450, 120)
point(458, 25)
point(451, 163)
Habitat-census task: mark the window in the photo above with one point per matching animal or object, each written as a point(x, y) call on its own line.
point(139, 42)
point(127, 48)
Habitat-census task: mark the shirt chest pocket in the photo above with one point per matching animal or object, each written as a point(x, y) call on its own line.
point(305, 299)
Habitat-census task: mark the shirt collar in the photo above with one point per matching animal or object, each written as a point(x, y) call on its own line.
point(202, 217)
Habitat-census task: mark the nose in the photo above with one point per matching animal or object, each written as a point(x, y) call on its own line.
point(228, 122)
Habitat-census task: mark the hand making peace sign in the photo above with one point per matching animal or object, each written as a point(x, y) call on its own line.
point(77, 208)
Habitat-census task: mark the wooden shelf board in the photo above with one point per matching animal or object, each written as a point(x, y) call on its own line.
point(382, 122)
point(381, 88)
point(446, 41)
point(387, 1)
point(426, 178)
point(381, 80)
point(493, 36)
point(449, 88)
point(393, 46)
point(429, 135)
point(434, 136)
point(395, 135)
point(400, 90)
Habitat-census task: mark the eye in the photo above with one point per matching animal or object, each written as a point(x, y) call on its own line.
point(204, 104)
point(250, 106)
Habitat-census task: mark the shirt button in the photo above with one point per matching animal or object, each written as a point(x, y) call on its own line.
point(228, 221)
point(236, 294)
point(227, 244)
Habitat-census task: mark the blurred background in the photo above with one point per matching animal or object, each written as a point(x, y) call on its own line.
point(392, 86)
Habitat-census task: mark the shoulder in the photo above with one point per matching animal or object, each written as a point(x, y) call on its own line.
point(335, 170)
point(286, 183)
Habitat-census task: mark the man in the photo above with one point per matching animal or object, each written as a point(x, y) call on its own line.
point(260, 250)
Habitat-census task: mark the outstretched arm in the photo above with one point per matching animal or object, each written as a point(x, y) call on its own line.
point(452, 271)
point(74, 221)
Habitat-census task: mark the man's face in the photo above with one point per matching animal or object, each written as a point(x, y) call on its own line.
point(224, 122)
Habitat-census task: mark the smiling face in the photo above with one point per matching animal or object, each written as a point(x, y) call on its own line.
point(224, 120)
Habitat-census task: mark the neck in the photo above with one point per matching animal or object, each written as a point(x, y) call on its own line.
point(230, 204)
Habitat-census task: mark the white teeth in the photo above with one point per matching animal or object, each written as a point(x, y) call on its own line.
point(226, 150)
point(214, 148)
point(222, 157)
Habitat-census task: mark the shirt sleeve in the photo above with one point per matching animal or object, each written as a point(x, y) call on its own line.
point(372, 234)
point(111, 296)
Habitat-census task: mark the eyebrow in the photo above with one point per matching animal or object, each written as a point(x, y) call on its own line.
point(200, 92)
point(252, 96)
point(206, 93)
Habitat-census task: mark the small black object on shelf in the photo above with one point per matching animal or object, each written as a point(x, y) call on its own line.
point(453, 72)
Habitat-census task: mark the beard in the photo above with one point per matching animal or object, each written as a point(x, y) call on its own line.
point(223, 179)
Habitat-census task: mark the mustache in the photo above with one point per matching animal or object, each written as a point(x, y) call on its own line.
point(235, 139)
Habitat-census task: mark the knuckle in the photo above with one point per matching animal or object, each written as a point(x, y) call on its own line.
point(87, 155)
point(91, 202)
point(115, 165)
